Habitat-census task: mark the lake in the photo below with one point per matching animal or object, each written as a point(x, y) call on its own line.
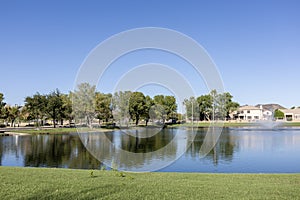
point(238, 150)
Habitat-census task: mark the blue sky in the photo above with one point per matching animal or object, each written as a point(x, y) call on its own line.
point(255, 44)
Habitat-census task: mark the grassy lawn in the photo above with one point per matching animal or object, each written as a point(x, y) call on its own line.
point(199, 124)
point(45, 183)
point(46, 130)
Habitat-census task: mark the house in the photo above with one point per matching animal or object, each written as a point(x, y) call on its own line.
point(267, 114)
point(291, 114)
point(249, 113)
point(252, 113)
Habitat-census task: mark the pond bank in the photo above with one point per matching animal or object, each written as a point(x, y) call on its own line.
point(9, 133)
point(50, 130)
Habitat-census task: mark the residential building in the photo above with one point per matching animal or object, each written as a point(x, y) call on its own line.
point(252, 113)
point(249, 113)
point(291, 114)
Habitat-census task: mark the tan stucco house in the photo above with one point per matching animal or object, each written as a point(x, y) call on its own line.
point(291, 114)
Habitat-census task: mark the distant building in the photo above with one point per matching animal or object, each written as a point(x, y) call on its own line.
point(251, 113)
point(291, 114)
point(247, 113)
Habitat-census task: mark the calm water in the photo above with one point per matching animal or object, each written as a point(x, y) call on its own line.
point(237, 150)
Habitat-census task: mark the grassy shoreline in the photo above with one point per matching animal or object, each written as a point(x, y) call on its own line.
point(47, 183)
point(195, 125)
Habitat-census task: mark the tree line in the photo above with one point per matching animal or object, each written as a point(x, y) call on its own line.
point(85, 105)
point(211, 106)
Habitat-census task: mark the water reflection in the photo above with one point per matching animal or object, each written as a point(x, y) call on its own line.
point(223, 149)
point(236, 151)
point(64, 151)
point(133, 152)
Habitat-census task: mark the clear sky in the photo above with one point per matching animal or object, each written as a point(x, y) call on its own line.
point(255, 44)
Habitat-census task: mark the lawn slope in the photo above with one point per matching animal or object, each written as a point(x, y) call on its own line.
point(45, 183)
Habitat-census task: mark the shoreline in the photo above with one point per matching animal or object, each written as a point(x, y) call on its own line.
point(50, 130)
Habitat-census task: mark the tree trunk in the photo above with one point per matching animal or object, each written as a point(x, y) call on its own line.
point(54, 118)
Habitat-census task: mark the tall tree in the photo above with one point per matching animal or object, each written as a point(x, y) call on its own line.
point(148, 105)
point(84, 103)
point(120, 107)
point(2, 104)
point(192, 108)
point(137, 105)
point(168, 103)
point(36, 107)
point(205, 107)
point(103, 106)
point(170, 106)
point(226, 105)
point(54, 107)
point(12, 113)
point(67, 106)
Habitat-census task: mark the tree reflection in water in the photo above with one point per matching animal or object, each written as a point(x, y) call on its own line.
point(236, 150)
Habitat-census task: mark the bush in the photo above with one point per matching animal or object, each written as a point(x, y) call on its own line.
point(2, 125)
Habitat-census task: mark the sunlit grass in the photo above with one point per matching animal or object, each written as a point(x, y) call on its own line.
point(46, 130)
point(44, 183)
point(196, 124)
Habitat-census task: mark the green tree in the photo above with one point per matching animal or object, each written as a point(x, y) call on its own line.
point(84, 103)
point(36, 107)
point(137, 105)
point(103, 106)
point(160, 108)
point(222, 105)
point(226, 104)
point(67, 107)
point(148, 105)
point(54, 107)
point(2, 104)
point(169, 105)
point(12, 113)
point(120, 107)
point(278, 114)
point(205, 106)
point(192, 108)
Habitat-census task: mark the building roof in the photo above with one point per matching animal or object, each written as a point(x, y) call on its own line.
point(294, 111)
point(270, 106)
point(248, 108)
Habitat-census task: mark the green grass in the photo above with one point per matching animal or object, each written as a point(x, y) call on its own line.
point(46, 130)
point(44, 183)
point(291, 124)
point(57, 130)
point(200, 124)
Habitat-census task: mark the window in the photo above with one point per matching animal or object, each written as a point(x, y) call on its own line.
point(249, 117)
point(289, 117)
point(248, 111)
point(242, 112)
point(256, 117)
